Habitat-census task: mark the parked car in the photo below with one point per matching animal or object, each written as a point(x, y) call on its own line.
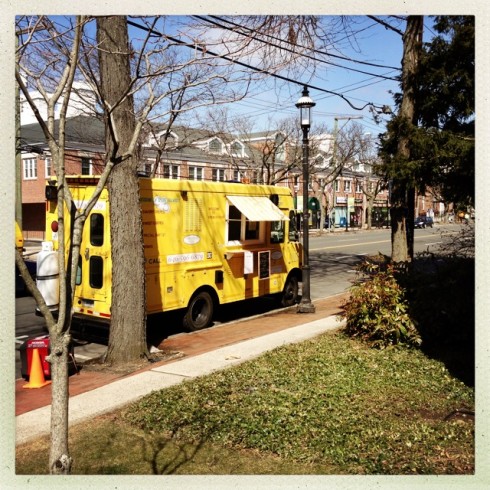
point(423, 221)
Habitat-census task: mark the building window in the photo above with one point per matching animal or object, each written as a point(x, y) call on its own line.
point(336, 186)
point(280, 148)
point(169, 141)
point(30, 169)
point(358, 186)
point(236, 176)
point(171, 171)
point(218, 174)
point(48, 167)
point(347, 185)
point(215, 146)
point(146, 168)
point(196, 173)
point(236, 149)
point(86, 166)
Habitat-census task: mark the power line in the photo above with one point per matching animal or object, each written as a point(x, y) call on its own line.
point(285, 107)
point(313, 50)
point(251, 67)
point(289, 50)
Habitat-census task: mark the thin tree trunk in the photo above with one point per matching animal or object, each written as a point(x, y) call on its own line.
point(60, 461)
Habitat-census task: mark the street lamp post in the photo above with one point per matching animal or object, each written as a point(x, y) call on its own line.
point(347, 212)
point(304, 104)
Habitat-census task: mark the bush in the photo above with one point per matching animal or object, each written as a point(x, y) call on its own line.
point(377, 311)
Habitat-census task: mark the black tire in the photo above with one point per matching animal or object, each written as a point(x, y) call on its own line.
point(290, 293)
point(199, 312)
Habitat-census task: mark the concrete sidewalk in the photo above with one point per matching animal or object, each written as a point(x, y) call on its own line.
point(115, 392)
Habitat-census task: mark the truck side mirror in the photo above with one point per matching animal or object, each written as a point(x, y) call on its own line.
point(51, 193)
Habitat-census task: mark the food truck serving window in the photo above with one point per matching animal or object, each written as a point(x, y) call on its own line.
point(257, 208)
point(246, 215)
point(240, 228)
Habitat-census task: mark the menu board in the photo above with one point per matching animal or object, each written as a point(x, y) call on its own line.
point(248, 262)
point(264, 264)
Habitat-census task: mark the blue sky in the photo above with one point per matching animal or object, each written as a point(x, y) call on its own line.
point(373, 43)
point(275, 100)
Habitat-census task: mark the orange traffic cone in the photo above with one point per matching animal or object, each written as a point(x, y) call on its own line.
point(36, 374)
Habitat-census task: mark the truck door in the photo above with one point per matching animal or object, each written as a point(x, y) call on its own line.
point(94, 274)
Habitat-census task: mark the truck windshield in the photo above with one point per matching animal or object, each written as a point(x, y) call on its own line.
point(293, 228)
point(277, 232)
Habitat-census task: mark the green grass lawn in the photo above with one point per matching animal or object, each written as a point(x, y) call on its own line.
point(327, 406)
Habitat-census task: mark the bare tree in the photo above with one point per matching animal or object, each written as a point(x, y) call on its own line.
point(348, 144)
point(48, 57)
point(269, 156)
point(371, 189)
point(372, 184)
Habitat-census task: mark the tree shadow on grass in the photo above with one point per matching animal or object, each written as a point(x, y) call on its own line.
point(441, 296)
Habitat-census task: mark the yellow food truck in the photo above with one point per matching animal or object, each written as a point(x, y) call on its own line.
point(205, 244)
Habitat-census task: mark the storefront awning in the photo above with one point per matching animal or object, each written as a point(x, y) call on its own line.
point(257, 208)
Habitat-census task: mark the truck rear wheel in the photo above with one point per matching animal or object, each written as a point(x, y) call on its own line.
point(199, 312)
point(290, 292)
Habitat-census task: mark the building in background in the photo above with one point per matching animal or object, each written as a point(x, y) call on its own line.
point(196, 154)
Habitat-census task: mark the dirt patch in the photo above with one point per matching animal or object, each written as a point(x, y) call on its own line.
point(142, 364)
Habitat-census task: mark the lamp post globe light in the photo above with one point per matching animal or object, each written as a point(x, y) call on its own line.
point(305, 104)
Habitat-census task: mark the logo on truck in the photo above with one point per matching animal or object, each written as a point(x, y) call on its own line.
point(163, 204)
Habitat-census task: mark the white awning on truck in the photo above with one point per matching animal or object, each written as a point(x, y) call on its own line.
point(257, 208)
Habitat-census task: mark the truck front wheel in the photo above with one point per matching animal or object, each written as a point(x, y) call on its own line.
point(199, 312)
point(290, 292)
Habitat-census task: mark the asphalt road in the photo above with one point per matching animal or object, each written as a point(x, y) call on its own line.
point(333, 261)
point(334, 256)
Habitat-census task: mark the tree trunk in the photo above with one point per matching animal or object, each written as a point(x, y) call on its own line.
point(402, 191)
point(369, 217)
point(127, 338)
point(59, 458)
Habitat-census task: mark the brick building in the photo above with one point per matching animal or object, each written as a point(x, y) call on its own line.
point(186, 153)
point(85, 142)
